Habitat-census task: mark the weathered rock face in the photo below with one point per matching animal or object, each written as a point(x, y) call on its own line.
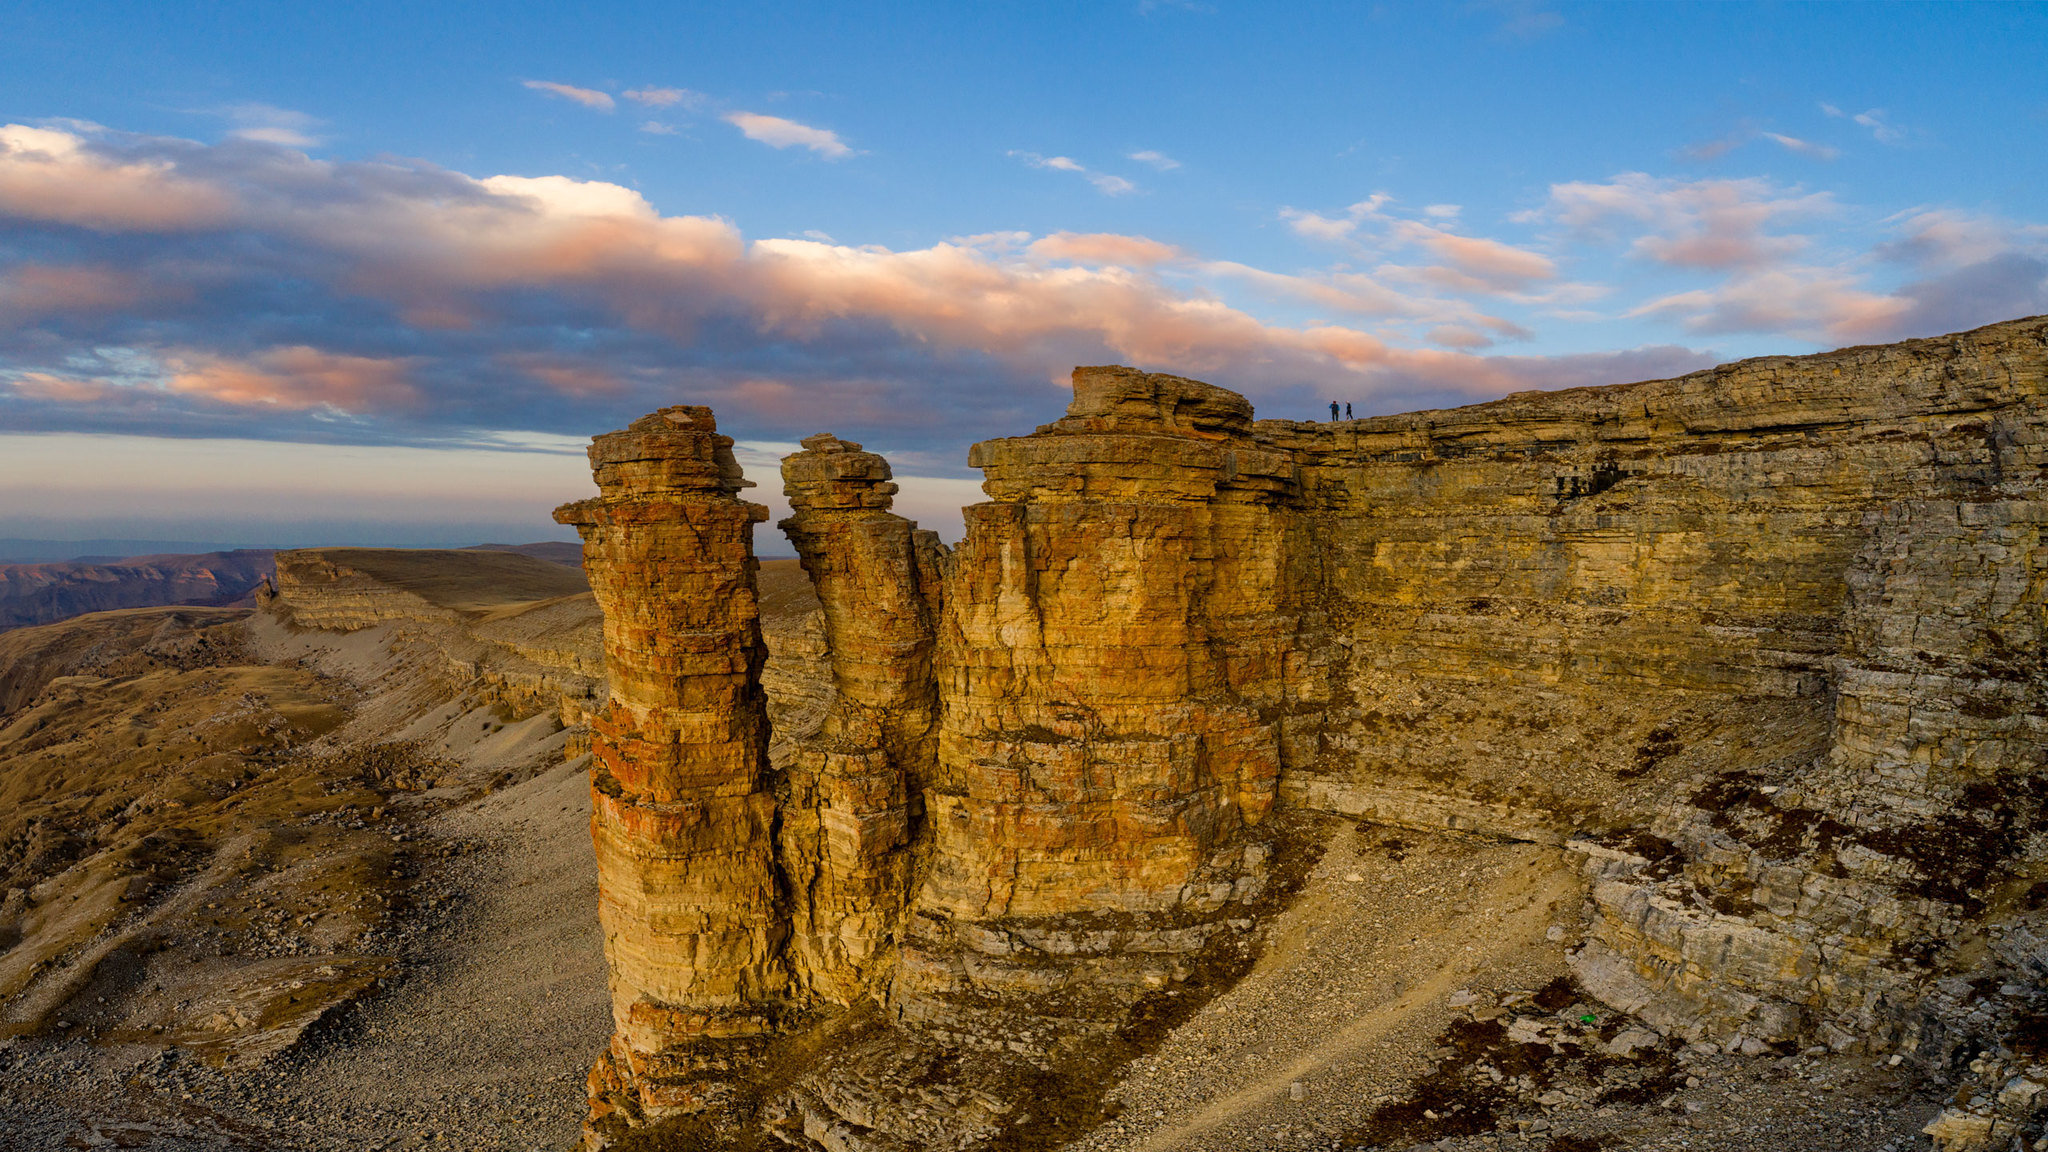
point(1780, 617)
point(1760, 645)
point(1115, 689)
point(856, 785)
point(694, 917)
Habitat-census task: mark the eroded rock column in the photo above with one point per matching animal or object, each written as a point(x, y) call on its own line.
point(695, 924)
point(1114, 660)
point(855, 786)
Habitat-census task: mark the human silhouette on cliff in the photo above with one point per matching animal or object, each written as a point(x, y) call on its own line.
point(1347, 409)
point(1333, 409)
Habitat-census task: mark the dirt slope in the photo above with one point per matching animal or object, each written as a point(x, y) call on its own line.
point(226, 841)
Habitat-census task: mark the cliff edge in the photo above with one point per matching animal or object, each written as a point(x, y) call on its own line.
point(1756, 652)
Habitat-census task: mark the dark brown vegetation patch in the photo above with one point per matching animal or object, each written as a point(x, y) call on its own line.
point(1489, 1078)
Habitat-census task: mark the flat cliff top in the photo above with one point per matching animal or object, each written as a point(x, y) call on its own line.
point(1743, 395)
point(473, 581)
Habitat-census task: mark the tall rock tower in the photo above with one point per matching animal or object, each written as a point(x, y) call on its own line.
point(1116, 638)
point(856, 785)
point(695, 923)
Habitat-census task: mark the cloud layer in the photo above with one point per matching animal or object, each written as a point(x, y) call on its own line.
point(161, 286)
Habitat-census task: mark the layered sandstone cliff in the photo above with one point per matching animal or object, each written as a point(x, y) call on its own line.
point(695, 914)
point(1117, 694)
point(1759, 647)
point(1783, 615)
point(856, 783)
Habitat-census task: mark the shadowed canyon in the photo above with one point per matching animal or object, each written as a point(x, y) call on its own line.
point(1649, 766)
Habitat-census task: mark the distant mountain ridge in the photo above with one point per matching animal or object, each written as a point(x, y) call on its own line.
point(19, 550)
point(44, 593)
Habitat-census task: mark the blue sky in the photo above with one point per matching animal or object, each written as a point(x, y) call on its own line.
point(352, 248)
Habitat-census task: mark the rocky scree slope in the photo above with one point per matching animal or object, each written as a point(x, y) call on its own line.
point(223, 831)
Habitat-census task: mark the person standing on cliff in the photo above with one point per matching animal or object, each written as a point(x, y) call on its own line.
point(1347, 409)
point(1333, 410)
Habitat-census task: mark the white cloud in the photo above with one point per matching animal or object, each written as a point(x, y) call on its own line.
point(273, 125)
point(664, 97)
point(588, 97)
point(1802, 147)
point(1686, 223)
point(1523, 19)
point(563, 196)
point(1104, 183)
point(1334, 229)
point(1882, 131)
point(1159, 160)
point(657, 128)
point(777, 132)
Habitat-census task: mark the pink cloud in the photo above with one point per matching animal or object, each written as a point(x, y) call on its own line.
point(46, 289)
point(1824, 305)
point(1104, 248)
point(1466, 264)
point(568, 379)
point(50, 175)
point(1349, 292)
point(1477, 264)
point(588, 97)
point(66, 390)
point(1716, 224)
point(777, 132)
point(1489, 260)
point(1937, 238)
point(1460, 337)
point(296, 378)
point(451, 253)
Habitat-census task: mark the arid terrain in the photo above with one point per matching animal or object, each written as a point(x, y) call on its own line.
point(280, 886)
point(1653, 767)
point(462, 876)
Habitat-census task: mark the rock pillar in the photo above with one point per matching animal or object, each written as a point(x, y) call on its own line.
point(855, 787)
point(1115, 642)
point(695, 923)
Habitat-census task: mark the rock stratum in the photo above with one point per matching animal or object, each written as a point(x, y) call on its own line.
point(1756, 652)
